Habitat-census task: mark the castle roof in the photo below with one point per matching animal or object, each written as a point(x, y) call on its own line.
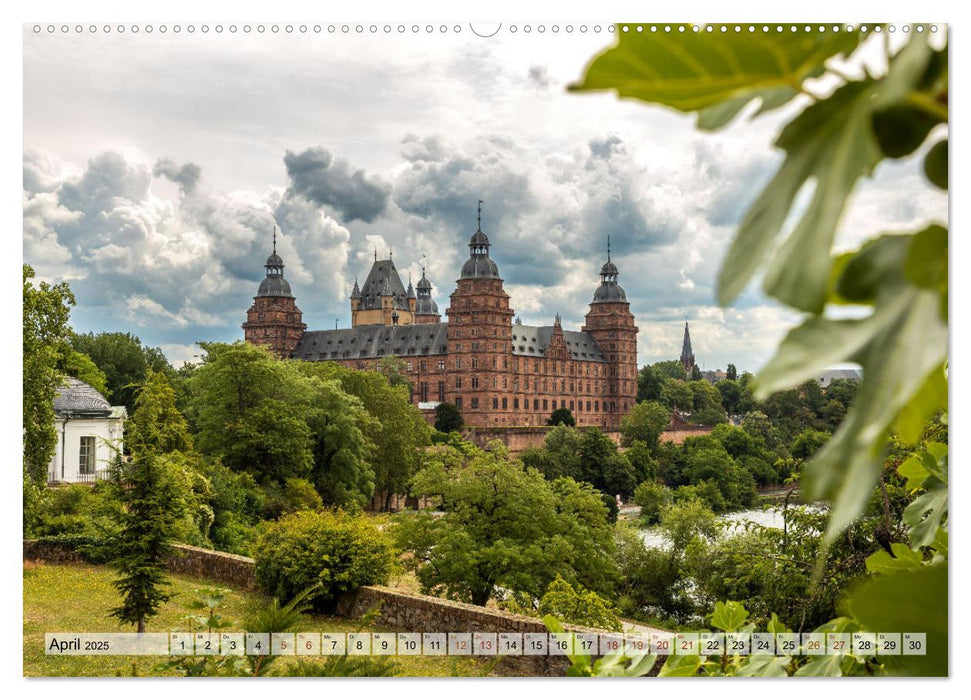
point(531, 341)
point(383, 280)
point(373, 341)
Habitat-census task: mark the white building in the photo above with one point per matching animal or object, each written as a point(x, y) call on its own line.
point(89, 429)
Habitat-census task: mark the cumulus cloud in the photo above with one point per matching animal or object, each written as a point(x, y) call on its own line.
point(332, 182)
point(186, 176)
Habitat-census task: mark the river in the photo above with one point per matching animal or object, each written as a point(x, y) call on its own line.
point(771, 517)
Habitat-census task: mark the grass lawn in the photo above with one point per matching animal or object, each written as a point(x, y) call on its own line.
point(77, 598)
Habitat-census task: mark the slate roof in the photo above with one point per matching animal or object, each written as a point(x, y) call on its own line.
point(274, 286)
point(383, 279)
point(373, 341)
point(75, 396)
point(531, 341)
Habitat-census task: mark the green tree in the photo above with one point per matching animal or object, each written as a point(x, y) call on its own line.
point(157, 425)
point(399, 431)
point(652, 497)
point(645, 423)
point(562, 416)
point(731, 374)
point(649, 382)
point(695, 373)
point(46, 311)
point(670, 369)
point(448, 418)
point(808, 442)
point(123, 360)
point(503, 526)
point(80, 366)
point(677, 394)
point(155, 499)
point(731, 394)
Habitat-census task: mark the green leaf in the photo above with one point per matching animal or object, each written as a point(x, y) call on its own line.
point(926, 264)
point(931, 397)
point(914, 470)
point(901, 129)
point(713, 72)
point(925, 515)
point(728, 616)
point(764, 667)
point(879, 263)
point(903, 559)
point(776, 626)
point(913, 601)
point(680, 667)
point(828, 665)
point(935, 164)
point(832, 144)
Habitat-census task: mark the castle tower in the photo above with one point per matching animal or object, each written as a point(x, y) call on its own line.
point(611, 324)
point(687, 357)
point(274, 318)
point(426, 310)
point(383, 299)
point(479, 334)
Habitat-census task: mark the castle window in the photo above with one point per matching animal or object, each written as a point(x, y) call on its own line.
point(422, 365)
point(409, 366)
point(596, 405)
point(458, 382)
point(441, 391)
point(475, 382)
point(423, 392)
point(441, 364)
point(458, 402)
point(495, 403)
point(262, 318)
point(588, 405)
point(475, 402)
point(535, 404)
point(571, 405)
point(545, 405)
point(458, 363)
point(495, 382)
point(515, 403)
point(504, 382)
point(475, 362)
point(554, 404)
point(495, 361)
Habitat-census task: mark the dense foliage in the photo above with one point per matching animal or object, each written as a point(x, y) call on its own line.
point(503, 526)
point(331, 551)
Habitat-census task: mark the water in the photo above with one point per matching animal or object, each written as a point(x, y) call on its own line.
point(768, 518)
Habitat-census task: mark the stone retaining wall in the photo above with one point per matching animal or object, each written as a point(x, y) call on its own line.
point(398, 611)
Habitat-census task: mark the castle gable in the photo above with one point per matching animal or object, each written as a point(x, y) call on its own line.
point(532, 341)
point(383, 279)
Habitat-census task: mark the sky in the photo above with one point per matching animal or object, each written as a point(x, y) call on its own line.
point(157, 165)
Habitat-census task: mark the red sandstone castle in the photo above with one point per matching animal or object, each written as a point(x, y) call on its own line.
point(497, 371)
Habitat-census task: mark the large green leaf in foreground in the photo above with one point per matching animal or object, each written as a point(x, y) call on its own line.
point(715, 73)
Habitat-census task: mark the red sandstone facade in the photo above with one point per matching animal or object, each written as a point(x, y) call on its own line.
point(496, 370)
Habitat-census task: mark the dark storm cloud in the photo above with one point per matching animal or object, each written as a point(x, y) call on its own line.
point(332, 182)
point(186, 176)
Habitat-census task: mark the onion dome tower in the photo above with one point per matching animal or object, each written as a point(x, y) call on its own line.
point(274, 319)
point(426, 310)
point(611, 324)
point(479, 332)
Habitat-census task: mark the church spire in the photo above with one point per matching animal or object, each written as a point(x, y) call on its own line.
point(687, 357)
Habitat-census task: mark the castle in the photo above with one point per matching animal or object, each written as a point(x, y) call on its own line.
point(496, 370)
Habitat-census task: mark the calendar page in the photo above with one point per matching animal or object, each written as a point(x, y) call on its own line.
point(515, 348)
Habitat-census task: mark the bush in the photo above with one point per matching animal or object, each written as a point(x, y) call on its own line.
point(705, 491)
point(578, 606)
point(448, 418)
point(296, 494)
point(331, 549)
point(562, 416)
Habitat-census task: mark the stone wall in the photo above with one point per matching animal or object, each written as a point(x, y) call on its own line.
point(399, 611)
point(231, 569)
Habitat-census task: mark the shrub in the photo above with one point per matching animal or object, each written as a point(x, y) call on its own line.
point(578, 606)
point(296, 494)
point(331, 549)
